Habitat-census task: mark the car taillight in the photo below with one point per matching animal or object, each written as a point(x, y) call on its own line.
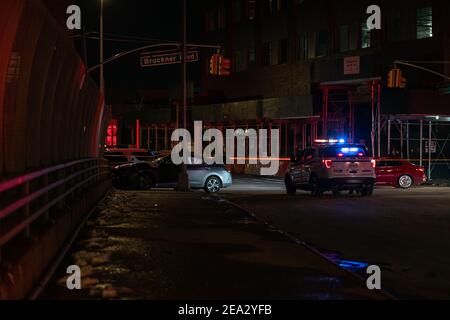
point(327, 163)
point(373, 163)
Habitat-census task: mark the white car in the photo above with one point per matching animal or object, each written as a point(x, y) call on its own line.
point(335, 168)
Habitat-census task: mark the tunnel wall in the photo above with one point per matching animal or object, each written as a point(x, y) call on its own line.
point(50, 112)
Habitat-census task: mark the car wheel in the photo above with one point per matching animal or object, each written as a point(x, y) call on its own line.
point(367, 191)
point(405, 181)
point(145, 181)
point(213, 185)
point(314, 186)
point(290, 187)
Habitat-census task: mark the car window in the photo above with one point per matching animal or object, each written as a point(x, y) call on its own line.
point(381, 164)
point(394, 163)
point(115, 157)
point(298, 156)
point(345, 150)
point(141, 155)
point(194, 161)
point(167, 160)
point(309, 154)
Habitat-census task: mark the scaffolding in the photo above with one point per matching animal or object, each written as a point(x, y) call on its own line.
point(422, 139)
point(339, 108)
point(295, 133)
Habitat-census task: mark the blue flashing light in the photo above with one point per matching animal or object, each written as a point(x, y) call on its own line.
point(341, 140)
point(353, 265)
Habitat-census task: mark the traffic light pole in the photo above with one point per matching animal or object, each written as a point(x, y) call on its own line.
point(414, 65)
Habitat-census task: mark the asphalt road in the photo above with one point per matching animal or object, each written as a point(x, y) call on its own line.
point(405, 232)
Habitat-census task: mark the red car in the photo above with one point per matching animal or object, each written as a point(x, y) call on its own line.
point(399, 173)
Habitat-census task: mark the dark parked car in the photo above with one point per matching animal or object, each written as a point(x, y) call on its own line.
point(118, 156)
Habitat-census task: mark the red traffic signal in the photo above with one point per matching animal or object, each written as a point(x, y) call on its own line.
point(224, 66)
point(214, 64)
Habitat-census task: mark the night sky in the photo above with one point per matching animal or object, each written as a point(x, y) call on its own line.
point(137, 18)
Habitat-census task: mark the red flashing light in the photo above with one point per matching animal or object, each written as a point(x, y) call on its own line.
point(111, 134)
point(360, 154)
point(340, 155)
point(373, 163)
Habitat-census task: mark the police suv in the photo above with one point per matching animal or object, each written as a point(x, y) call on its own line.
point(332, 166)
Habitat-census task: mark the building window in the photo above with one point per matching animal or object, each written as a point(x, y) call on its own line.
point(222, 19)
point(281, 5)
point(301, 50)
point(251, 9)
point(424, 23)
point(312, 39)
point(344, 38)
point(395, 28)
point(239, 62)
point(321, 44)
point(238, 11)
point(282, 51)
point(267, 54)
point(251, 55)
point(272, 7)
point(366, 36)
point(210, 21)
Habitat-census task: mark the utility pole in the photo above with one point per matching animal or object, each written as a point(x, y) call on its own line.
point(183, 179)
point(184, 66)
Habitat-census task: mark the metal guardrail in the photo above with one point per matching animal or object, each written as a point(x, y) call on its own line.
point(27, 198)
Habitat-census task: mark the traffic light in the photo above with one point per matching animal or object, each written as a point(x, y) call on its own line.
point(401, 81)
point(224, 66)
point(392, 78)
point(396, 79)
point(214, 64)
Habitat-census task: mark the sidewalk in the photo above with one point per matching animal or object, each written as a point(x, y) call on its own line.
point(438, 183)
point(169, 245)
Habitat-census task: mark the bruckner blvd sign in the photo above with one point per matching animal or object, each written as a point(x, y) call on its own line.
point(160, 59)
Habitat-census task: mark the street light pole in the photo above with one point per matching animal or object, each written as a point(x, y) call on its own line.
point(183, 179)
point(184, 67)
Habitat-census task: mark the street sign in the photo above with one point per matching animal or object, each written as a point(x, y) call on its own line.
point(433, 148)
point(161, 59)
point(352, 65)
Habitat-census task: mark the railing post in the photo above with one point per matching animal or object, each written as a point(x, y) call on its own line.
point(61, 174)
point(26, 208)
point(45, 184)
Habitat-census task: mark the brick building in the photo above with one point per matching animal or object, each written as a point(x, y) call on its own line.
point(297, 60)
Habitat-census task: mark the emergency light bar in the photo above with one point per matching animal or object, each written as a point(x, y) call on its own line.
point(329, 141)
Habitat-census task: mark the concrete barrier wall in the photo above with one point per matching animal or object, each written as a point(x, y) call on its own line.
point(50, 112)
